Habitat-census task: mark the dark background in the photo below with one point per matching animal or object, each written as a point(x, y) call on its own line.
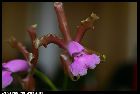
point(115, 35)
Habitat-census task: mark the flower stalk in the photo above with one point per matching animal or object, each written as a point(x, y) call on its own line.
point(45, 79)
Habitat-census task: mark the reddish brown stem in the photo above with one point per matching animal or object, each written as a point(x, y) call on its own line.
point(15, 44)
point(45, 40)
point(62, 20)
point(28, 83)
point(66, 64)
point(32, 33)
point(84, 26)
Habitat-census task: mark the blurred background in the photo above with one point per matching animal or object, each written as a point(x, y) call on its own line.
point(115, 35)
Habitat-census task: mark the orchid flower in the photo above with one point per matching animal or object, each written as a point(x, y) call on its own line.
point(10, 67)
point(76, 58)
point(19, 65)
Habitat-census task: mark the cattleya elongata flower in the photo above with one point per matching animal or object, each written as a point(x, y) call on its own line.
point(75, 58)
point(19, 65)
point(10, 67)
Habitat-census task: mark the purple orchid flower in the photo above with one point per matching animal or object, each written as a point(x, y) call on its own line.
point(75, 57)
point(18, 65)
point(11, 67)
point(82, 61)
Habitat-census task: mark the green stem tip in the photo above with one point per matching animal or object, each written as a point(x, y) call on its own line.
point(45, 79)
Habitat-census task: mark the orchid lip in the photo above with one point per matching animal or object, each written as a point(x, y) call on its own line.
point(82, 62)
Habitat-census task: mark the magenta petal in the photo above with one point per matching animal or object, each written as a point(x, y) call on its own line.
point(6, 78)
point(92, 60)
point(16, 65)
point(96, 59)
point(78, 68)
point(74, 47)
